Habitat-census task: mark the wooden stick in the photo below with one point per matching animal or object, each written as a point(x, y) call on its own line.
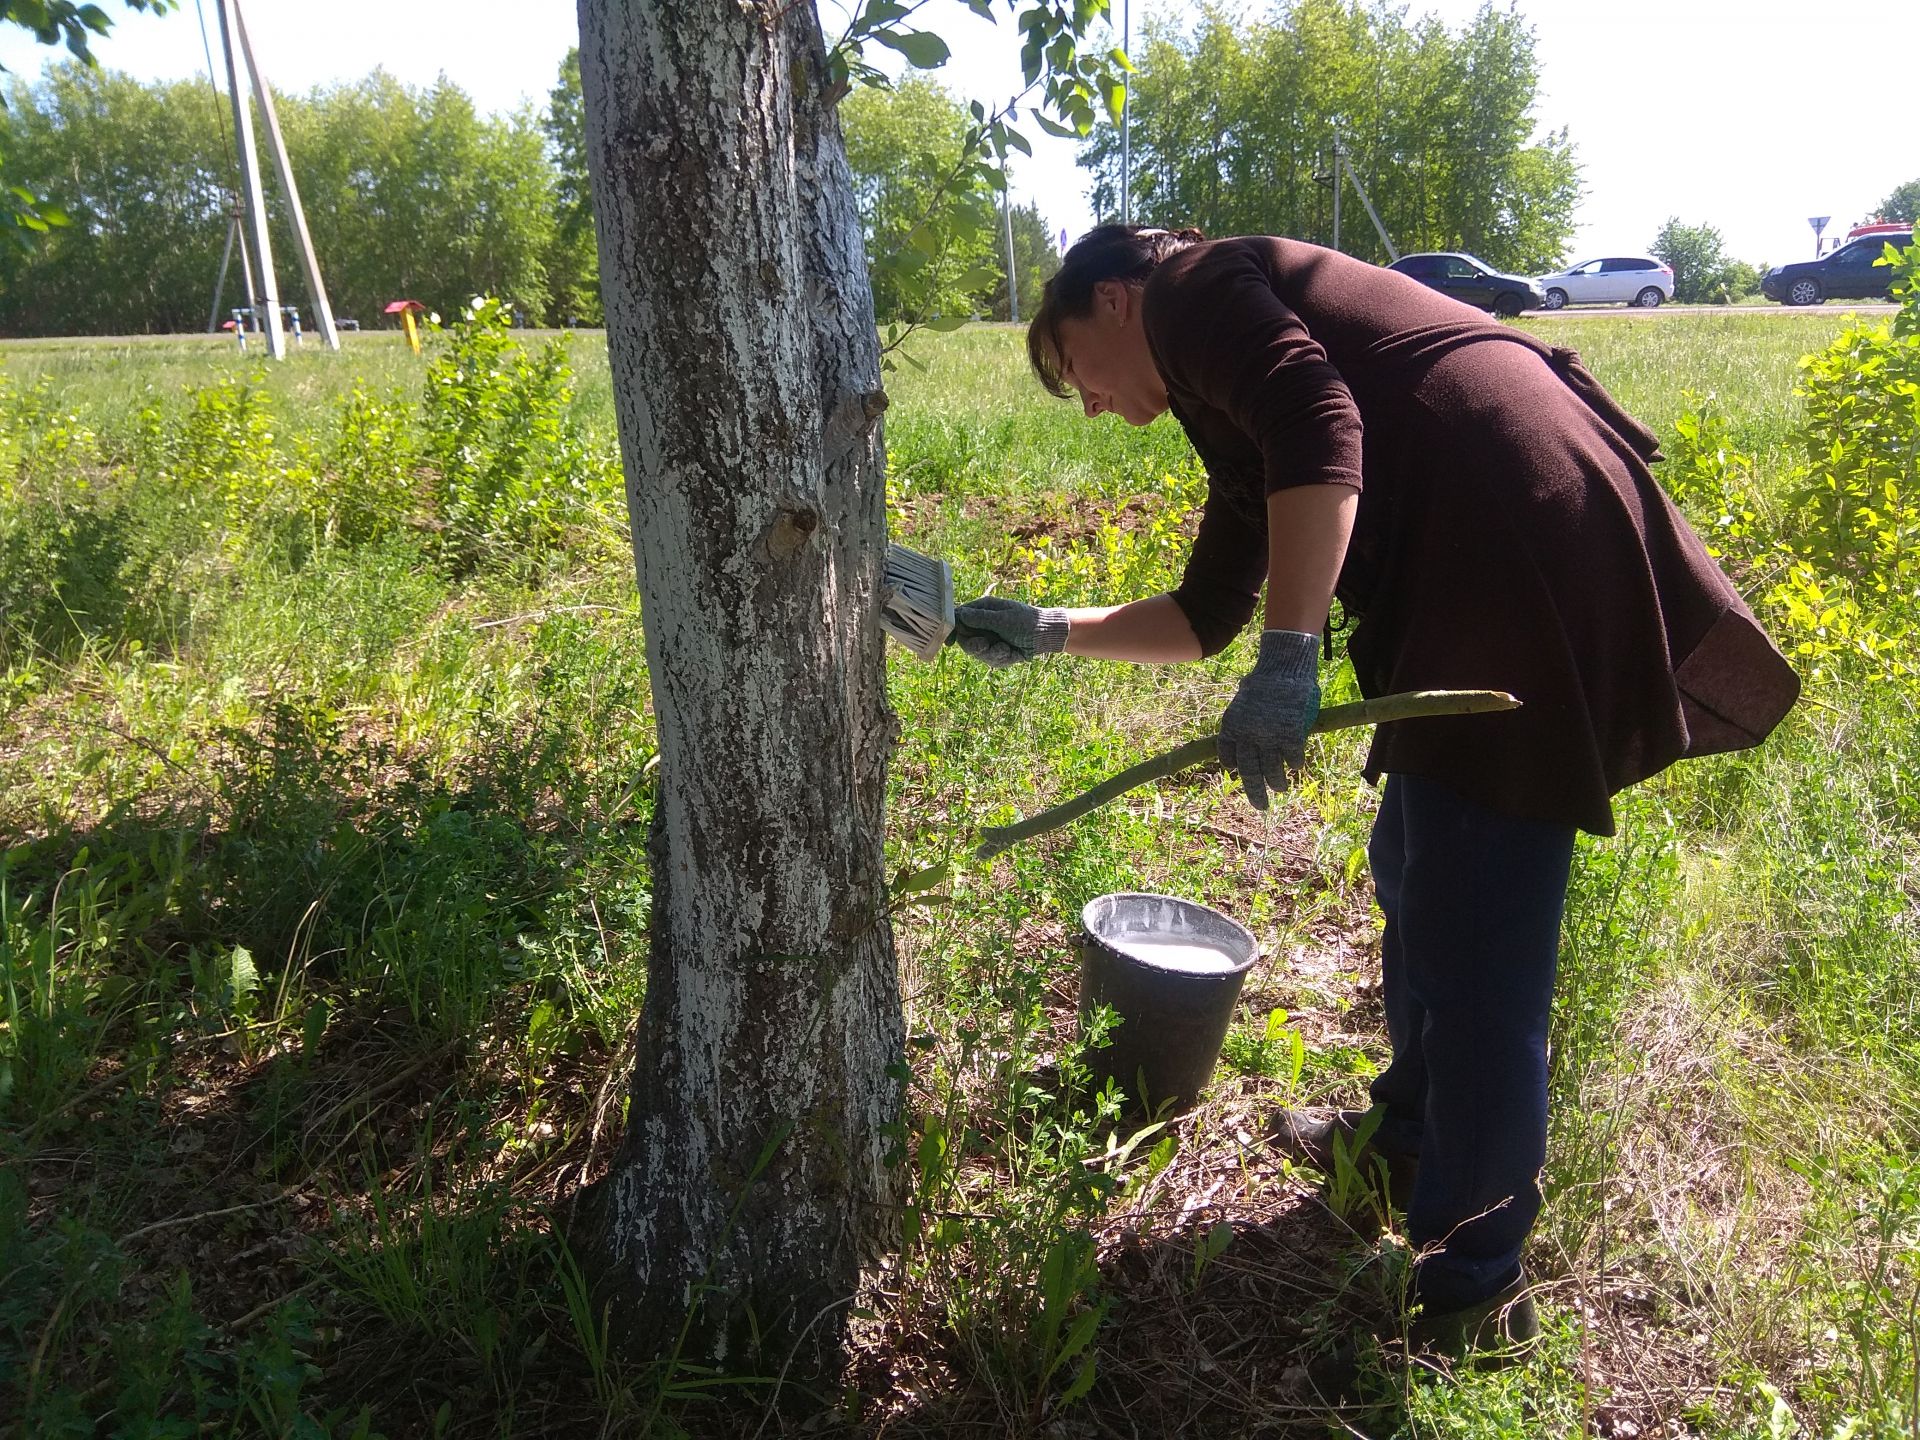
point(1411, 705)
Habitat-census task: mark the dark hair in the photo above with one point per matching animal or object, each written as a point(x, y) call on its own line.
point(1128, 253)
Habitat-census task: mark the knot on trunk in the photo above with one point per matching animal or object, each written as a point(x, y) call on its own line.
point(789, 530)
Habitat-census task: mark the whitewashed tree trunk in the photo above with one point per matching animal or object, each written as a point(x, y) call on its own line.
point(752, 1179)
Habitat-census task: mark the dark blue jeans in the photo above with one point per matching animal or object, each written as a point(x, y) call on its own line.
point(1473, 901)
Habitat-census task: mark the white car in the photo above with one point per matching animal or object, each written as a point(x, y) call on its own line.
point(1615, 280)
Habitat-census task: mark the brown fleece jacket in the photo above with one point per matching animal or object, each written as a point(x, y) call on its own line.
point(1509, 533)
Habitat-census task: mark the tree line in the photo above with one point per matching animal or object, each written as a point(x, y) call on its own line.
point(409, 194)
point(413, 194)
point(1234, 124)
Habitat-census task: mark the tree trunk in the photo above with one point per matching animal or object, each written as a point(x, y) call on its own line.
point(752, 1183)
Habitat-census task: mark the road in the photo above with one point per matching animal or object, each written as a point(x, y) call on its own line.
point(1833, 307)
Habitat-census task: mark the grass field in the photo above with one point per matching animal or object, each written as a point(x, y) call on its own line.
point(323, 915)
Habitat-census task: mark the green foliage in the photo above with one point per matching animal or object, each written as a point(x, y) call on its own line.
point(511, 475)
point(926, 206)
point(68, 22)
point(1233, 125)
point(408, 194)
point(1134, 553)
point(25, 216)
point(1902, 204)
point(1036, 257)
point(573, 261)
point(1702, 271)
point(412, 787)
point(1855, 585)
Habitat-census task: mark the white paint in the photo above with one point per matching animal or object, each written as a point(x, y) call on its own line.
point(738, 320)
point(1178, 955)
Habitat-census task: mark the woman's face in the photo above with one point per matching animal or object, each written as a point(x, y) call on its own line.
point(1104, 357)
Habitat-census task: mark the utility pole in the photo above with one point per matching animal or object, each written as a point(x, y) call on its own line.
point(263, 289)
point(1339, 158)
point(1342, 170)
point(1126, 116)
point(265, 298)
point(220, 285)
point(316, 287)
point(1013, 282)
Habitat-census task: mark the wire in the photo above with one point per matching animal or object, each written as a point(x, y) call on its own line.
point(233, 164)
point(213, 84)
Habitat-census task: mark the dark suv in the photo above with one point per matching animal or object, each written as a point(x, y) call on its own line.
point(1471, 280)
point(1847, 274)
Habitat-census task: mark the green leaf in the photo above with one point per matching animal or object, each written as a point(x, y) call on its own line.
point(908, 883)
point(924, 50)
point(1016, 140)
point(314, 1026)
point(974, 279)
point(942, 324)
point(1116, 102)
point(244, 977)
point(1218, 1238)
point(1053, 127)
point(1119, 58)
point(1030, 57)
point(1082, 1383)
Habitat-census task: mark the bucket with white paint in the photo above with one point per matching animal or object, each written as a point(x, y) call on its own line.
point(1171, 970)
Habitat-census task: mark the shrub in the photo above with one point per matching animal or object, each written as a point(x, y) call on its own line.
point(510, 473)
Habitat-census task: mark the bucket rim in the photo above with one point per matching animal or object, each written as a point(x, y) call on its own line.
point(1254, 948)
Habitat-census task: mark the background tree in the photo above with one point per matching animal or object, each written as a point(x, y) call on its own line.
point(1903, 203)
point(141, 171)
point(408, 194)
point(1701, 269)
point(24, 214)
point(904, 148)
point(1035, 258)
point(573, 264)
point(1233, 126)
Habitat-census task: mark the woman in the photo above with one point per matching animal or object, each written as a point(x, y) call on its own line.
point(1484, 514)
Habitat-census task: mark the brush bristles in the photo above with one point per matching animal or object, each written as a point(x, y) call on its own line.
point(916, 605)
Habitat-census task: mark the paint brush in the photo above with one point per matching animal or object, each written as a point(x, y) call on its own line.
point(916, 601)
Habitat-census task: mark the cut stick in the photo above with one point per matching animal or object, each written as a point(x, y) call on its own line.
point(1411, 705)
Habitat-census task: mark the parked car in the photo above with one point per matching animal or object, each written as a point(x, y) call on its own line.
point(1471, 280)
point(1847, 274)
point(1615, 280)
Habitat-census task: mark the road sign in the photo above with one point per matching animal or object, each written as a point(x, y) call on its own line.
point(1819, 223)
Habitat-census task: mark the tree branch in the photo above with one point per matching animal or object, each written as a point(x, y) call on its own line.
point(1412, 705)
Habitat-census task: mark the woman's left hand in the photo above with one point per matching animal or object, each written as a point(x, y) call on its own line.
point(1263, 735)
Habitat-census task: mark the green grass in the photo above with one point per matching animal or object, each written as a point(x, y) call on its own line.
point(323, 922)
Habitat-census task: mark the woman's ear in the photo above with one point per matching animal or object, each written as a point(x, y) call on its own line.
point(1113, 299)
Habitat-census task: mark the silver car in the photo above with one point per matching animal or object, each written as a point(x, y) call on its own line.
point(1614, 280)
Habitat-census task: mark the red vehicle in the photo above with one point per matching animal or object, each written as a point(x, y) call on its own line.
point(1894, 230)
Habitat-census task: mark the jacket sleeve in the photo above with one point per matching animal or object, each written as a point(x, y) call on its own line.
point(1218, 331)
point(1221, 586)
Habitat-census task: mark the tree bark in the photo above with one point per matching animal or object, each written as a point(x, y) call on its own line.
point(753, 1181)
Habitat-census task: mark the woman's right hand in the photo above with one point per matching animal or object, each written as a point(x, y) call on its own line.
point(999, 632)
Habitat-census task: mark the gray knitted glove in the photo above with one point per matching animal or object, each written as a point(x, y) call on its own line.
point(999, 632)
point(1263, 735)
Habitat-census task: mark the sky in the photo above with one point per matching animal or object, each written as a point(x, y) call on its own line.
point(1749, 115)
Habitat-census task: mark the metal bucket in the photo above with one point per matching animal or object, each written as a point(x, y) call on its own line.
point(1171, 970)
